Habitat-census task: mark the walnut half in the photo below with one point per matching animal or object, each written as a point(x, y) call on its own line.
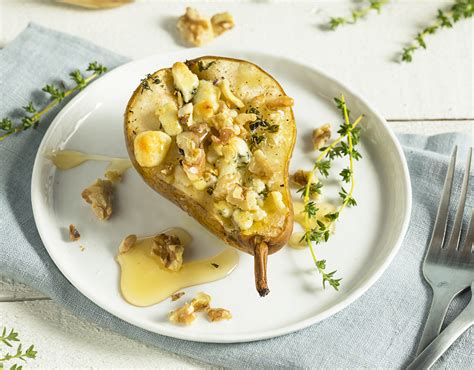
point(169, 249)
point(195, 29)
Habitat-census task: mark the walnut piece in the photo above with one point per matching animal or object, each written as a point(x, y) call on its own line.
point(183, 316)
point(321, 135)
point(100, 195)
point(73, 233)
point(169, 249)
point(259, 165)
point(194, 28)
point(222, 22)
point(202, 302)
point(218, 314)
point(177, 296)
point(127, 243)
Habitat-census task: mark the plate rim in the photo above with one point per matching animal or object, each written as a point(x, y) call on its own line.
point(244, 337)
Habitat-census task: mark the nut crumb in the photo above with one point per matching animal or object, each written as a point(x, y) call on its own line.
point(73, 233)
point(218, 314)
point(278, 102)
point(177, 296)
point(127, 243)
point(202, 302)
point(100, 195)
point(321, 135)
point(169, 249)
point(183, 316)
point(82, 248)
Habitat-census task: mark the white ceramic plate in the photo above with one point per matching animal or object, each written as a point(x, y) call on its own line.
point(366, 239)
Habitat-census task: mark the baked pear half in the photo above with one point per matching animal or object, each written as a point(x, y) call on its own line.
point(215, 135)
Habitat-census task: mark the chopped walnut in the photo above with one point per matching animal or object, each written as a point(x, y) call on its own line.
point(194, 28)
point(259, 164)
point(300, 177)
point(278, 102)
point(100, 195)
point(169, 250)
point(113, 176)
point(73, 233)
point(224, 185)
point(127, 243)
point(321, 135)
point(202, 302)
point(218, 314)
point(243, 198)
point(183, 316)
point(222, 22)
point(177, 296)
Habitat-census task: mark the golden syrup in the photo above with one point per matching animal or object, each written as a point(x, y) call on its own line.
point(67, 159)
point(144, 280)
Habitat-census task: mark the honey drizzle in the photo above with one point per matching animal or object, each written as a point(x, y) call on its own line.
point(144, 280)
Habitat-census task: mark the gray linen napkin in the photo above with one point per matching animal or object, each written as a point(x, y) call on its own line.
point(380, 329)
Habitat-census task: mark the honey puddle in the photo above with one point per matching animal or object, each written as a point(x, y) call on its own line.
point(67, 159)
point(144, 281)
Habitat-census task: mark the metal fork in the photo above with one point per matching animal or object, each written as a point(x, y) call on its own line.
point(448, 270)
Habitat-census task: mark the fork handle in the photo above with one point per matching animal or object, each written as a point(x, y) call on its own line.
point(447, 337)
point(439, 306)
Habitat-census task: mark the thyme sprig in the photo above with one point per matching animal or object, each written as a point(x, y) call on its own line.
point(7, 338)
point(343, 146)
point(57, 94)
point(357, 13)
point(461, 9)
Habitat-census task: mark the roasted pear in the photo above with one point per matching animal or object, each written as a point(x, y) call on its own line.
point(215, 135)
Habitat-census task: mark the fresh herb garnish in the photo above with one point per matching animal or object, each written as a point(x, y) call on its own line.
point(461, 9)
point(57, 94)
point(210, 190)
point(264, 192)
point(205, 67)
point(20, 354)
point(145, 82)
point(357, 14)
point(343, 146)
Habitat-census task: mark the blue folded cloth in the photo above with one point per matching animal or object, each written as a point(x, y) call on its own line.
point(381, 329)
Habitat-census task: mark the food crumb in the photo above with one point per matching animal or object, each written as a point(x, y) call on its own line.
point(177, 296)
point(215, 265)
point(74, 234)
point(82, 248)
point(218, 314)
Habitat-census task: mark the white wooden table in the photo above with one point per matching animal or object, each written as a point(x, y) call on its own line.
point(431, 95)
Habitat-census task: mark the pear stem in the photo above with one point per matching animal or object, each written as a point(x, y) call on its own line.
point(260, 263)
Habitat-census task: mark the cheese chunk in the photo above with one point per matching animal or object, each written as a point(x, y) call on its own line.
point(168, 116)
point(206, 100)
point(185, 81)
point(151, 148)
